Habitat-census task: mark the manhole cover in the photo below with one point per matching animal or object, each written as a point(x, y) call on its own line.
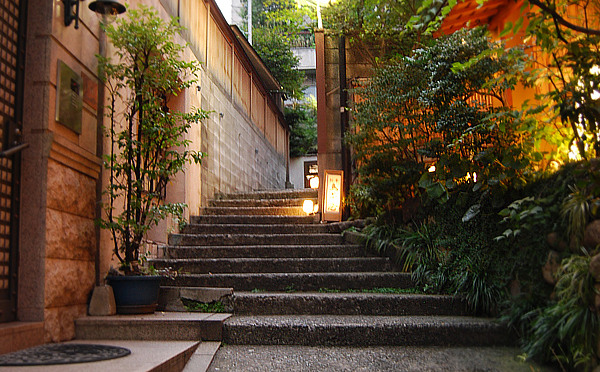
point(62, 354)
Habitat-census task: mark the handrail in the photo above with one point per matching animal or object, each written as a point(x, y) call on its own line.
point(13, 150)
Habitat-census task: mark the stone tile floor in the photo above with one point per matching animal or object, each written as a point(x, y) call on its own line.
point(156, 356)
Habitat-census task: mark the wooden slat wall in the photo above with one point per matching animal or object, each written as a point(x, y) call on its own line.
point(258, 108)
point(241, 85)
point(220, 55)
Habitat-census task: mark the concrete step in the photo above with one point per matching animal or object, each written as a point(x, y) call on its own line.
point(276, 251)
point(202, 357)
point(245, 219)
point(146, 356)
point(271, 194)
point(344, 303)
point(282, 282)
point(274, 265)
point(168, 326)
point(172, 298)
point(255, 229)
point(356, 330)
point(269, 358)
point(255, 211)
point(254, 239)
point(259, 203)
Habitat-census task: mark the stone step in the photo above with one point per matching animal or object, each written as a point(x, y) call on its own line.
point(163, 326)
point(274, 265)
point(271, 194)
point(245, 219)
point(259, 203)
point(255, 229)
point(255, 211)
point(254, 239)
point(282, 282)
point(345, 303)
point(276, 251)
point(172, 298)
point(356, 330)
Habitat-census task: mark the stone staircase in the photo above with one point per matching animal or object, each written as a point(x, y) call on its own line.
point(298, 282)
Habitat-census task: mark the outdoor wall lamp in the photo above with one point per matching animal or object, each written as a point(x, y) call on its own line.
point(102, 7)
point(107, 7)
point(71, 12)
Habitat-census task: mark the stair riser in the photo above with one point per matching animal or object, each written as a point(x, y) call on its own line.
point(262, 203)
point(149, 331)
point(348, 335)
point(247, 239)
point(297, 282)
point(388, 305)
point(239, 219)
point(275, 194)
point(255, 211)
point(264, 251)
point(254, 229)
point(327, 265)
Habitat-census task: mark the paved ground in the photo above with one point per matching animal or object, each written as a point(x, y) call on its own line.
point(372, 359)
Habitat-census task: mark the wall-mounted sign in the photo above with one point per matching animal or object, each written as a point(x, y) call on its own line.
point(69, 97)
point(332, 192)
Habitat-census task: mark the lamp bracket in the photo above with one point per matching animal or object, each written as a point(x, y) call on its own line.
point(71, 15)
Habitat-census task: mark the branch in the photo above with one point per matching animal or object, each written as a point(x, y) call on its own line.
point(562, 21)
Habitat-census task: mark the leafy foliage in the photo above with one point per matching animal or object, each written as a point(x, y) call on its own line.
point(566, 35)
point(203, 307)
point(375, 28)
point(302, 120)
point(568, 329)
point(419, 110)
point(275, 26)
point(147, 144)
point(570, 64)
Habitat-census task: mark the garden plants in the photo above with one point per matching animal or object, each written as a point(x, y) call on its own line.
point(147, 144)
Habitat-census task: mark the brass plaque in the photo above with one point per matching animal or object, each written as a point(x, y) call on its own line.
point(69, 98)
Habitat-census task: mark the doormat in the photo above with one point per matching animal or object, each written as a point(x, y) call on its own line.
point(62, 354)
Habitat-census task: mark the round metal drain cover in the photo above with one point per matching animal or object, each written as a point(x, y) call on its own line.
point(62, 354)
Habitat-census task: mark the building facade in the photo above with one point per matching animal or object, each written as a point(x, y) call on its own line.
point(51, 253)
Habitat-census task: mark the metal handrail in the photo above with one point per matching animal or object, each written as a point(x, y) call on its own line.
point(13, 150)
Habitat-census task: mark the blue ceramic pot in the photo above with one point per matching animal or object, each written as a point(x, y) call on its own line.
point(135, 294)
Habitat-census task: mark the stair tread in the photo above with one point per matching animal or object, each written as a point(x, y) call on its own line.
point(265, 259)
point(340, 294)
point(344, 273)
point(273, 246)
point(361, 320)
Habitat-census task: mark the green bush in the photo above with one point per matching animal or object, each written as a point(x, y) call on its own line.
point(419, 109)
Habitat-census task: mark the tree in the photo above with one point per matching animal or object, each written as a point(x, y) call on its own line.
point(566, 35)
point(275, 25)
point(301, 117)
point(277, 55)
point(147, 149)
point(375, 28)
point(418, 111)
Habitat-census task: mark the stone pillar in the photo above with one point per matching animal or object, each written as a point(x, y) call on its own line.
point(329, 139)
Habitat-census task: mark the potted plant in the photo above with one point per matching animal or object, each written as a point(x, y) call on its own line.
point(147, 144)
